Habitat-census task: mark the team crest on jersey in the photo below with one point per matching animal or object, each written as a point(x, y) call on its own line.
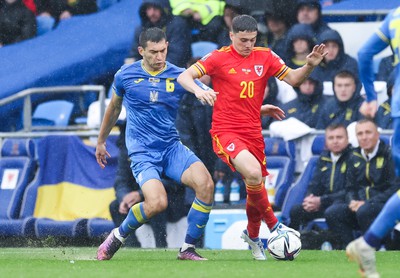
point(259, 69)
point(231, 147)
point(153, 96)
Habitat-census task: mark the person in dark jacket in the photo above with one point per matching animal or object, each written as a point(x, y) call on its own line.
point(343, 108)
point(336, 60)
point(327, 186)
point(370, 182)
point(307, 107)
point(310, 12)
point(17, 22)
point(157, 13)
point(385, 68)
point(383, 117)
point(64, 9)
point(299, 43)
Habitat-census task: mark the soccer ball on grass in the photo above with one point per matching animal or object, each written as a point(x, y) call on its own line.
point(284, 245)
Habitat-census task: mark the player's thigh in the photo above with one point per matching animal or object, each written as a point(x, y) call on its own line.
point(177, 159)
point(146, 166)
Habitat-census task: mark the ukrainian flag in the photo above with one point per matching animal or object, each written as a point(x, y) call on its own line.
point(71, 184)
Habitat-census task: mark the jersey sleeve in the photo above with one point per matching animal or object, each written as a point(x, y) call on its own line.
point(205, 66)
point(117, 84)
point(277, 66)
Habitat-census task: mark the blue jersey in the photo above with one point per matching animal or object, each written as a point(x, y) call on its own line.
point(388, 34)
point(151, 100)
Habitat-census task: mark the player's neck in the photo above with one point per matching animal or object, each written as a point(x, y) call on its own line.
point(151, 70)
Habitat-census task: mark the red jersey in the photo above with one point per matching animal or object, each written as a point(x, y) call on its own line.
point(241, 83)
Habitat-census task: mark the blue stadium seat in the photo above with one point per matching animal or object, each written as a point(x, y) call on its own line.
point(202, 48)
point(282, 153)
point(17, 168)
point(52, 113)
point(298, 190)
point(98, 227)
point(45, 227)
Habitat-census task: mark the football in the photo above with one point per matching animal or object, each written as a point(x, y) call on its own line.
point(284, 245)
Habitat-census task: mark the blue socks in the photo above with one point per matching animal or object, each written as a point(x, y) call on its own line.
point(385, 222)
point(197, 220)
point(135, 218)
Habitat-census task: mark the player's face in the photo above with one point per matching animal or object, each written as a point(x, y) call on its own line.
point(367, 136)
point(336, 140)
point(154, 55)
point(344, 88)
point(243, 42)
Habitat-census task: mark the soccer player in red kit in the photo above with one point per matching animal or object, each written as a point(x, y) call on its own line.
point(239, 75)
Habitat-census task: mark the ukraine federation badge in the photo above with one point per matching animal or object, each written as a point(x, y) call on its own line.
point(153, 96)
point(259, 69)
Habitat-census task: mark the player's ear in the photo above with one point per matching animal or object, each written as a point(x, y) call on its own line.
point(141, 50)
point(231, 36)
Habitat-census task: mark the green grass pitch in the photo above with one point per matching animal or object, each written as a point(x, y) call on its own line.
point(80, 262)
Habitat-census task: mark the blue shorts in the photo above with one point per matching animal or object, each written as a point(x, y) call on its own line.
point(171, 162)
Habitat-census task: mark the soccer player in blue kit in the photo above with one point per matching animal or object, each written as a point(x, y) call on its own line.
point(362, 250)
point(151, 96)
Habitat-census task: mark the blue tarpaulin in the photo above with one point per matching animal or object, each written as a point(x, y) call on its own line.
point(80, 50)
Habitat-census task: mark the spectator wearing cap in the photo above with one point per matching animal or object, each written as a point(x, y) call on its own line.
point(309, 12)
point(336, 60)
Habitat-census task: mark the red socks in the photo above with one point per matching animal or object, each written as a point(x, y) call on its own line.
point(258, 208)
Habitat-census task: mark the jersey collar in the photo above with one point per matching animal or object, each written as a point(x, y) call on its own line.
point(153, 73)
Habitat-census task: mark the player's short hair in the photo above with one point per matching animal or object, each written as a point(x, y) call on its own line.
point(151, 35)
point(244, 23)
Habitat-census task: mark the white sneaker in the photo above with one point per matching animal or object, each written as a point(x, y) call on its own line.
point(358, 250)
point(257, 247)
point(286, 228)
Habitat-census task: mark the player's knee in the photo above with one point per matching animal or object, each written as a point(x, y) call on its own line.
point(253, 176)
point(157, 205)
point(205, 191)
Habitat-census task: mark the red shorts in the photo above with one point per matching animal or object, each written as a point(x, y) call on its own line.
point(229, 145)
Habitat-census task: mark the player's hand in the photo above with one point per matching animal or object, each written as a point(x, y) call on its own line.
point(317, 55)
point(206, 96)
point(101, 154)
point(272, 111)
point(368, 109)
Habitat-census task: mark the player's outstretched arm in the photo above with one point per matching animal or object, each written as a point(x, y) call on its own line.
point(296, 76)
point(186, 79)
point(110, 118)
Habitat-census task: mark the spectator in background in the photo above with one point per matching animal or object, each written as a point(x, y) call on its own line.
point(383, 117)
point(309, 12)
point(343, 108)
point(336, 60)
point(157, 13)
point(327, 186)
point(231, 10)
point(299, 43)
point(204, 16)
point(370, 182)
point(276, 35)
point(64, 9)
point(307, 107)
point(17, 22)
point(385, 68)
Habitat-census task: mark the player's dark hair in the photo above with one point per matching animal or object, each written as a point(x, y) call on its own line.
point(244, 23)
point(151, 35)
